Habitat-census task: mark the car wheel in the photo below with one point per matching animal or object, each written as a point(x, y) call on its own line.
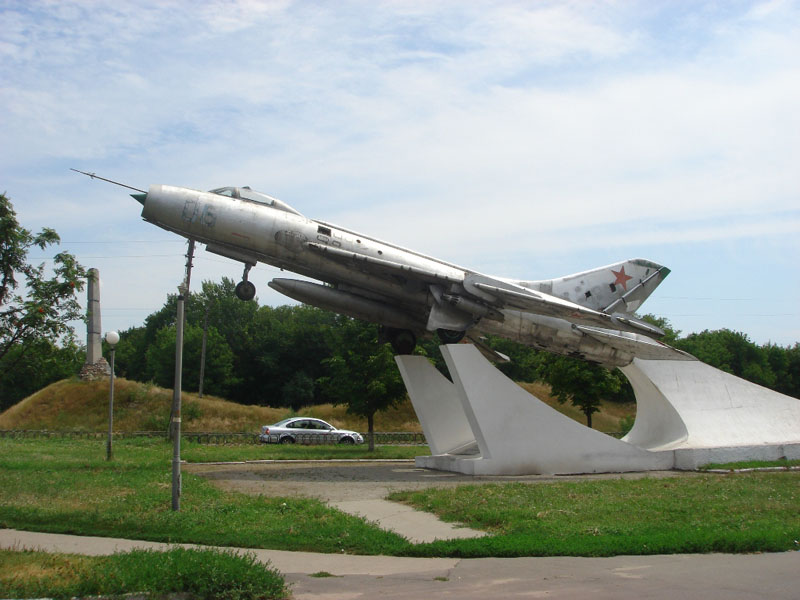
point(347, 440)
point(287, 440)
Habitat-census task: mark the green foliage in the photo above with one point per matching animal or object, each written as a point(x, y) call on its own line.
point(36, 305)
point(37, 365)
point(191, 411)
point(626, 424)
point(732, 352)
point(583, 383)
point(362, 373)
point(160, 359)
point(671, 335)
point(254, 355)
point(769, 365)
point(298, 391)
point(202, 574)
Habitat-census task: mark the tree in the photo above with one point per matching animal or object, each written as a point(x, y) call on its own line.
point(131, 354)
point(671, 335)
point(362, 373)
point(35, 309)
point(584, 384)
point(44, 363)
point(733, 352)
point(298, 391)
point(219, 360)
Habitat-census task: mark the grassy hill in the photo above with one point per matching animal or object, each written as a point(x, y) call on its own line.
point(71, 404)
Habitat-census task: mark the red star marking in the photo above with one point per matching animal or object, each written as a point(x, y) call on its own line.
point(622, 279)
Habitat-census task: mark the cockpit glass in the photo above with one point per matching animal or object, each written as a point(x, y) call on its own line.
point(253, 196)
point(249, 195)
point(224, 191)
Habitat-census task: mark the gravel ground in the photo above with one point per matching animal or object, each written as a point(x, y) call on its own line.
point(338, 481)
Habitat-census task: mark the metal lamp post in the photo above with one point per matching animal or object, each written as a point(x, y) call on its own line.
point(112, 338)
point(183, 292)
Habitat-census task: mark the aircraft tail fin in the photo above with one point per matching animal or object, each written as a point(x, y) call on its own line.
point(620, 288)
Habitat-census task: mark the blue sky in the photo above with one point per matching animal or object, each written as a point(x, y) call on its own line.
point(521, 139)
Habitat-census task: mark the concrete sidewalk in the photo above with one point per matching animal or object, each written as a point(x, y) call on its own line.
point(710, 576)
point(416, 526)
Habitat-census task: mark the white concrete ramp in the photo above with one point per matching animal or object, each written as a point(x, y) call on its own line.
point(515, 432)
point(706, 415)
point(688, 414)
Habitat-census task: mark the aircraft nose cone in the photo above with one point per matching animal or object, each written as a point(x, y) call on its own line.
point(140, 198)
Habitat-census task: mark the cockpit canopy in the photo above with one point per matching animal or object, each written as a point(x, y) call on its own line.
point(248, 195)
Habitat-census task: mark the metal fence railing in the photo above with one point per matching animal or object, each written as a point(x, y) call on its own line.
point(77, 435)
point(393, 438)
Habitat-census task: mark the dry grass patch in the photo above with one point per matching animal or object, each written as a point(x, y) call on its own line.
point(607, 420)
point(37, 566)
point(83, 406)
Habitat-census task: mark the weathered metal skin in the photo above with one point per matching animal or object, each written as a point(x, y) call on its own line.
point(283, 239)
point(605, 347)
point(588, 315)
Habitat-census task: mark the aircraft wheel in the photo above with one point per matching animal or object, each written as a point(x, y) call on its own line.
point(450, 336)
point(245, 290)
point(403, 341)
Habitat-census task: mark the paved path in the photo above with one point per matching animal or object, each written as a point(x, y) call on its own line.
point(360, 488)
point(414, 525)
point(708, 576)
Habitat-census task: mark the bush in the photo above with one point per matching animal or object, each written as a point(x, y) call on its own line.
point(202, 574)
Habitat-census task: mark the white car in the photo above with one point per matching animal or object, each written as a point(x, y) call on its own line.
point(306, 430)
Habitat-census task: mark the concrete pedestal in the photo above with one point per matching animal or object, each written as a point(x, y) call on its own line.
point(689, 414)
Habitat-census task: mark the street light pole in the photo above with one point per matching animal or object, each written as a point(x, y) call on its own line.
point(183, 290)
point(112, 338)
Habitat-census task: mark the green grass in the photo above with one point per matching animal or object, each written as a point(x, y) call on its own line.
point(202, 574)
point(752, 464)
point(194, 452)
point(68, 487)
point(750, 512)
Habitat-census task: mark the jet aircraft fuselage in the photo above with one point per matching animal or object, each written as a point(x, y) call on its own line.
point(589, 314)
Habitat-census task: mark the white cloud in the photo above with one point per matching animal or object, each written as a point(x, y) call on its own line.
point(458, 128)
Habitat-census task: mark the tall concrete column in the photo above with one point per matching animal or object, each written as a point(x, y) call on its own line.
point(94, 348)
point(95, 366)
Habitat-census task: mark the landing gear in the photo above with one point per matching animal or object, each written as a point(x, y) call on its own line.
point(245, 290)
point(403, 341)
point(450, 336)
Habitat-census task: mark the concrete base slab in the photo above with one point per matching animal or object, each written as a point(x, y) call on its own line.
point(692, 458)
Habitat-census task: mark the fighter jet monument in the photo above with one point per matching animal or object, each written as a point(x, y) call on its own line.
point(479, 423)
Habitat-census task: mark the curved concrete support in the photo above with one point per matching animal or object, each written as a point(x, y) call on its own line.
point(515, 432)
point(691, 405)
